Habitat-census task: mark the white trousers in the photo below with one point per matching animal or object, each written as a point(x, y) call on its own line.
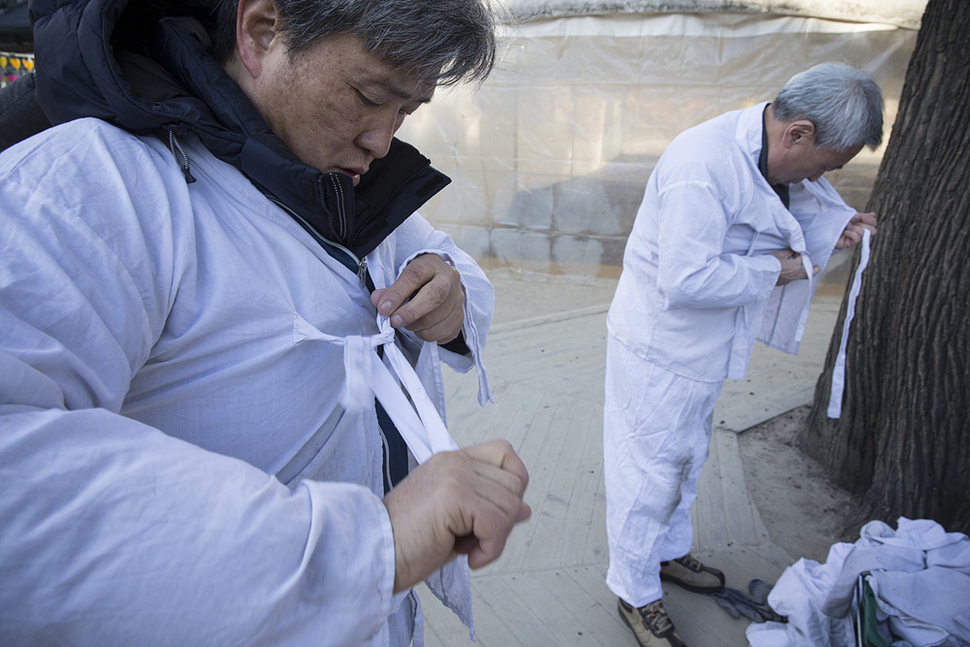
point(656, 434)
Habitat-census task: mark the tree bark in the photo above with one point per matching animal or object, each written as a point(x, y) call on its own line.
point(903, 440)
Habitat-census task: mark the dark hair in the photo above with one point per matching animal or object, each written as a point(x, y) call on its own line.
point(843, 102)
point(442, 41)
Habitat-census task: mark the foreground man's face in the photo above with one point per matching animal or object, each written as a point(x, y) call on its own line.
point(336, 105)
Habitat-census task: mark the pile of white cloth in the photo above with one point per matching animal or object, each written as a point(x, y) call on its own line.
point(920, 575)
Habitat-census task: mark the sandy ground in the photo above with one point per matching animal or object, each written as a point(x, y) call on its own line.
point(805, 512)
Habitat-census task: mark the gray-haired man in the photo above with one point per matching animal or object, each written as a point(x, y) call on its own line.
point(736, 216)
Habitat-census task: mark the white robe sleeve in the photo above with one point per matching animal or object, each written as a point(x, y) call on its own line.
point(113, 532)
point(694, 271)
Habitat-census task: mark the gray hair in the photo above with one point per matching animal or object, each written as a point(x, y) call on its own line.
point(443, 41)
point(843, 102)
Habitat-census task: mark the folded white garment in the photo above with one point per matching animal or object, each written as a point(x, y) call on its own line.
point(920, 575)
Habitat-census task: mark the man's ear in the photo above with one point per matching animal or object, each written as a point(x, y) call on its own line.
point(799, 133)
point(256, 30)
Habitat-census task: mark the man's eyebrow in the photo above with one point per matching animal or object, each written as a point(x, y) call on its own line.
point(396, 90)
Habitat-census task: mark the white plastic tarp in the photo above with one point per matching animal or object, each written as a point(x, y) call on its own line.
point(550, 157)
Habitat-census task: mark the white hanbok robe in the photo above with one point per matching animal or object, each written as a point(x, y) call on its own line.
point(166, 350)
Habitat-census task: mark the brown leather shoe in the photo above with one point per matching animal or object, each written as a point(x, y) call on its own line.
point(690, 574)
point(650, 624)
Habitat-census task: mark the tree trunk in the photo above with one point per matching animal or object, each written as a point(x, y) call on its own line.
point(903, 440)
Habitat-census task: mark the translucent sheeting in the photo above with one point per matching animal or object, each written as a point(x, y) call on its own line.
point(904, 13)
point(550, 157)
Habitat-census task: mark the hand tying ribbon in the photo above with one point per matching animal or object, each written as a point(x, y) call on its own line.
point(404, 398)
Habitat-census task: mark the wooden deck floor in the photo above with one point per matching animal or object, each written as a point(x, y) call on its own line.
point(545, 357)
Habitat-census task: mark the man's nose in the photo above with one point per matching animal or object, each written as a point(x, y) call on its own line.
point(376, 138)
point(814, 178)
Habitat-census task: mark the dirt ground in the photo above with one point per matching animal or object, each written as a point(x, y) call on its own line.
point(805, 512)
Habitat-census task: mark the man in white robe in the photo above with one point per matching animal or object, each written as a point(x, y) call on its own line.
point(735, 224)
point(198, 357)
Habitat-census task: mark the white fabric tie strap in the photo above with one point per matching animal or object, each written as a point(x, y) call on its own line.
point(367, 377)
point(838, 370)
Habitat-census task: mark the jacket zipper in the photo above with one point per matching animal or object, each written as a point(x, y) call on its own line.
point(181, 159)
point(341, 212)
point(393, 194)
point(351, 262)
